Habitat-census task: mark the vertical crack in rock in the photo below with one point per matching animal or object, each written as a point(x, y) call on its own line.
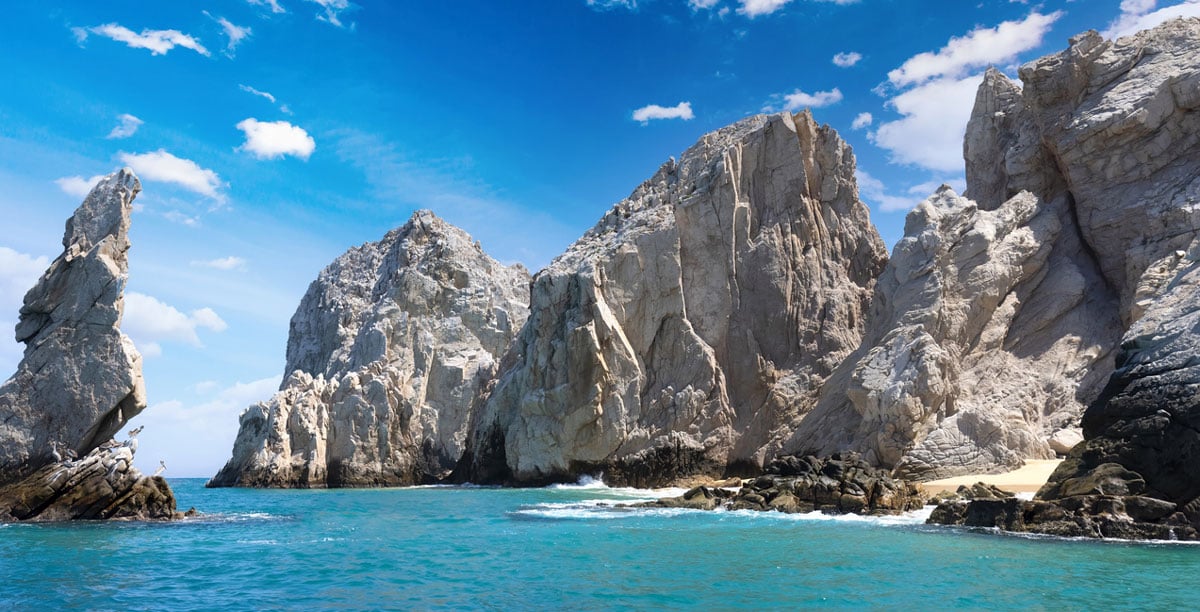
point(691, 328)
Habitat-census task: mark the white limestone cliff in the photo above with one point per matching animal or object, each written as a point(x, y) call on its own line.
point(80, 378)
point(387, 351)
point(689, 328)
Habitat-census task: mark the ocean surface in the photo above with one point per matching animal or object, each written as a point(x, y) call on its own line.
point(563, 547)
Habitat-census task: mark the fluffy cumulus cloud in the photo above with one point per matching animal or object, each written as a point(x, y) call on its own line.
point(933, 120)
point(187, 430)
point(77, 185)
point(1138, 15)
point(683, 110)
point(234, 33)
point(861, 121)
point(222, 263)
point(332, 11)
point(275, 139)
point(127, 126)
point(847, 59)
point(979, 48)
point(937, 91)
point(798, 100)
point(158, 42)
point(150, 322)
point(164, 167)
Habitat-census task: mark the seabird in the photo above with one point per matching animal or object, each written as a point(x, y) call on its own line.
point(54, 454)
point(162, 465)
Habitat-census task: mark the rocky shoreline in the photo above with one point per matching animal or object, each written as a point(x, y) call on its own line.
point(840, 484)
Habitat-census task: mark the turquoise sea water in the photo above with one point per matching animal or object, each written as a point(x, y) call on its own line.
point(558, 548)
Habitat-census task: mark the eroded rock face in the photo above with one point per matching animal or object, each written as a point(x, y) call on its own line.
point(1134, 161)
point(80, 379)
point(694, 324)
point(387, 351)
point(997, 319)
point(987, 335)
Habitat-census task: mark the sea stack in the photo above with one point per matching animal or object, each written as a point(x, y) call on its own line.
point(80, 380)
point(689, 330)
point(387, 352)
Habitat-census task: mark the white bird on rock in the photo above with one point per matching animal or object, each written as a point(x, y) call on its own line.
point(132, 442)
point(162, 465)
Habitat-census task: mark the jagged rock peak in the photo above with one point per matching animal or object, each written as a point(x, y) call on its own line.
point(691, 327)
point(387, 351)
point(80, 379)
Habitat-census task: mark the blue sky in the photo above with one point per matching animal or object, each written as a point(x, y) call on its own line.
point(271, 135)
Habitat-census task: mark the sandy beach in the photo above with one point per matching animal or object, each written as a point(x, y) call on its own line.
point(1027, 479)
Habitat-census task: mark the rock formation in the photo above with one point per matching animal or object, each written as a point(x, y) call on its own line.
point(695, 323)
point(80, 379)
point(840, 484)
point(1122, 120)
point(387, 351)
point(996, 320)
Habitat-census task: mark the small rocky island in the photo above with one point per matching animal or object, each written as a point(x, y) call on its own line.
point(79, 382)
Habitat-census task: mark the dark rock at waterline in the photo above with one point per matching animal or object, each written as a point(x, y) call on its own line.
point(102, 485)
point(839, 484)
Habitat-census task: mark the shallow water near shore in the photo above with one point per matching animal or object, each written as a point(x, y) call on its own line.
point(559, 547)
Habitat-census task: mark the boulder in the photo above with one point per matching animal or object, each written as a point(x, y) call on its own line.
point(387, 351)
point(1063, 440)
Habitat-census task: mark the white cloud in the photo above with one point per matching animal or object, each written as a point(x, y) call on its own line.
point(798, 100)
point(222, 263)
point(262, 94)
point(934, 119)
point(848, 59)
point(872, 191)
point(184, 435)
point(683, 110)
point(604, 5)
point(273, 5)
point(1138, 15)
point(150, 322)
point(861, 121)
point(333, 10)
point(979, 48)
point(754, 8)
point(18, 274)
point(77, 185)
point(275, 139)
point(697, 5)
point(158, 42)
point(162, 166)
point(127, 127)
point(235, 33)
point(924, 190)
point(175, 216)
